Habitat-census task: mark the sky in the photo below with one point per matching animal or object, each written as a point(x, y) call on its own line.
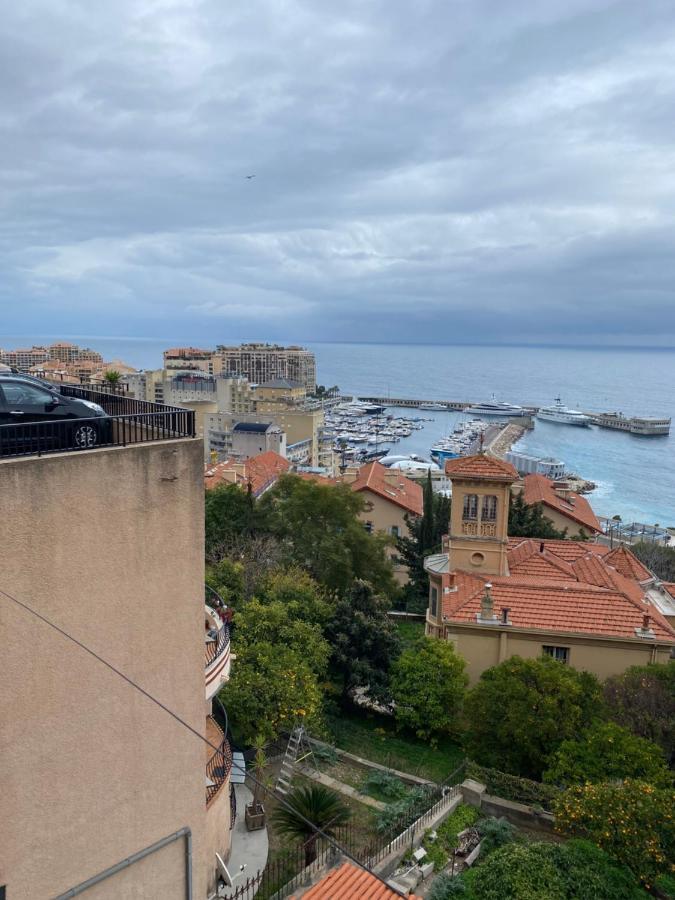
point(434, 171)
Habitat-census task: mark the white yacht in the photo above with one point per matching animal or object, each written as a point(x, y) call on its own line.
point(563, 414)
point(497, 410)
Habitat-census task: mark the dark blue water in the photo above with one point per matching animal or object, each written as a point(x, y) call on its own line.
point(635, 476)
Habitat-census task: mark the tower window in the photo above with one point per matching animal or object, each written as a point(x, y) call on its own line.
point(470, 511)
point(489, 510)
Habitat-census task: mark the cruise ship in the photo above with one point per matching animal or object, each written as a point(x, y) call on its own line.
point(497, 410)
point(643, 425)
point(563, 414)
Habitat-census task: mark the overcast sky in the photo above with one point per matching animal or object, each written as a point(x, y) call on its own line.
point(433, 171)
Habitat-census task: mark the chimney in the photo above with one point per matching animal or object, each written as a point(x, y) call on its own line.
point(505, 615)
point(487, 603)
point(451, 584)
point(645, 622)
point(541, 546)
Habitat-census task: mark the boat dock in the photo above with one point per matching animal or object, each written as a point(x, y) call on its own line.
point(439, 405)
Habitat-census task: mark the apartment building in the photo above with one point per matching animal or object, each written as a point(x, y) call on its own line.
point(24, 357)
point(101, 788)
point(495, 597)
point(261, 363)
point(189, 358)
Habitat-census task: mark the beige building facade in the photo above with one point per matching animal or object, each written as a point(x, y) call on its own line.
point(495, 597)
point(94, 773)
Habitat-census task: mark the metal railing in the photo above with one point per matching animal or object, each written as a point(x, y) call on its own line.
point(218, 768)
point(128, 421)
point(216, 648)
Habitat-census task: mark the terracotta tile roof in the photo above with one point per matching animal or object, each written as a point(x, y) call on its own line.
point(261, 471)
point(480, 466)
point(539, 489)
point(583, 594)
point(670, 587)
point(628, 564)
point(567, 550)
point(350, 883)
point(394, 487)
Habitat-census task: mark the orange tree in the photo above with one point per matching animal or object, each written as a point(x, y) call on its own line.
point(631, 820)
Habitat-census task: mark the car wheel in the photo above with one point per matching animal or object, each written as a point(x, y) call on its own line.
point(85, 436)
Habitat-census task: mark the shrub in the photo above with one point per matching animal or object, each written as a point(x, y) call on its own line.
point(642, 699)
point(325, 754)
point(522, 710)
point(402, 812)
point(606, 751)
point(630, 820)
point(384, 785)
point(590, 874)
point(520, 872)
point(495, 833)
point(445, 887)
point(461, 818)
point(666, 884)
point(511, 787)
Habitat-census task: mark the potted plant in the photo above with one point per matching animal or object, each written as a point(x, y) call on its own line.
point(254, 814)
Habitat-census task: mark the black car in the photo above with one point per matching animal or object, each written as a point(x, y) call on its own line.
point(36, 417)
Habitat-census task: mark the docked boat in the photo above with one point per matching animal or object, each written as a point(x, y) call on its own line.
point(497, 410)
point(642, 425)
point(439, 406)
point(563, 414)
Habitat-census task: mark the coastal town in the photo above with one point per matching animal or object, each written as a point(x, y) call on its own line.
point(364, 619)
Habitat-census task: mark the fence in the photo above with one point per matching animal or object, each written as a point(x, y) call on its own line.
point(285, 873)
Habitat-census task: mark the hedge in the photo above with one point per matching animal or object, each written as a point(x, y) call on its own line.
point(511, 787)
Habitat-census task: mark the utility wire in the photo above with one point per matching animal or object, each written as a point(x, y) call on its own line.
point(181, 721)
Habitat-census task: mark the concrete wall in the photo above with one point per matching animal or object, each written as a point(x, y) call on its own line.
point(109, 545)
point(488, 646)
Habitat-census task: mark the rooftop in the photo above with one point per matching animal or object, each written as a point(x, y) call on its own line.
point(563, 586)
point(261, 472)
point(348, 882)
point(481, 466)
point(282, 383)
point(539, 489)
point(394, 487)
point(253, 427)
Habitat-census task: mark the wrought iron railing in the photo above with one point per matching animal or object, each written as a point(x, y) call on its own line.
point(218, 767)
point(215, 649)
point(127, 421)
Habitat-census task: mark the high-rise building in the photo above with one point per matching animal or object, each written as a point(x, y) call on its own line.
point(189, 358)
point(260, 363)
point(61, 351)
point(100, 786)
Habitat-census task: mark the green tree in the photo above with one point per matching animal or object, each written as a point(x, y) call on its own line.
point(319, 529)
point(271, 624)
point(315, 804)
point(230, 513)
point(427, 686)
point(424, 537)
point(227, 579)
point(364, 643)
point(642, 699)
point(632, 821)
point(112, 377)
point(528, 520)
point(271, 688)
point(605, 751)
point(301, 596)
point(520, 712)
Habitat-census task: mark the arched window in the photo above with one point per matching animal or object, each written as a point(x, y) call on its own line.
point(489, 509)
point(470, 511)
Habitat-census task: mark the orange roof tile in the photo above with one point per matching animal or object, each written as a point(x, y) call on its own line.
point(348, 882)
point(391, 486)
point(539, 489)
point(480, 466)
point(628, 564)
point(581, 594)
point(260, 471)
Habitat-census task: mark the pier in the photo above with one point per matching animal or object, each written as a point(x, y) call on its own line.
point(410, 403)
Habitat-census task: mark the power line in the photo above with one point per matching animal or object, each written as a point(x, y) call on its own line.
point(181, 721)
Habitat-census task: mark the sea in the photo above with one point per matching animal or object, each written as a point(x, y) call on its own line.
point(635, 476)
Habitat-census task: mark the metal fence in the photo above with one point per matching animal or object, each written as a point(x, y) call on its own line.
point(127, 421)
point(287, 871)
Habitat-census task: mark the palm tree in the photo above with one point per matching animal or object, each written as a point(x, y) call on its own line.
point(320, 806)
point(112, 376)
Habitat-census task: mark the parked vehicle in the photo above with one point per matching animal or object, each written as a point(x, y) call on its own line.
point(34, 415)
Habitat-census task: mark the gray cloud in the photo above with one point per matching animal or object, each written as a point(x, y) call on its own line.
point(431, 171)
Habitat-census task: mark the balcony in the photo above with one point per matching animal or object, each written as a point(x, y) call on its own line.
point(218, 762)
point(127, 421)
point(217, 643)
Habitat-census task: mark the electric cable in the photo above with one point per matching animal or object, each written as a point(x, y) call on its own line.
point(194, 731)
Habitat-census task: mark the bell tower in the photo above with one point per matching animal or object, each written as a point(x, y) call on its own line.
point(481, 491)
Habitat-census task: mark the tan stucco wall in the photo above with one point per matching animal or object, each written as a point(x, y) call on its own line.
point(109, 545)
point(561, 521)
point(218, 831)
point(383, 515)
point(487, 646)
point(484, 553)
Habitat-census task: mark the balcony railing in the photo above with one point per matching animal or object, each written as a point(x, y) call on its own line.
point(217, 649)
point(128, 421)
point(219, 763)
